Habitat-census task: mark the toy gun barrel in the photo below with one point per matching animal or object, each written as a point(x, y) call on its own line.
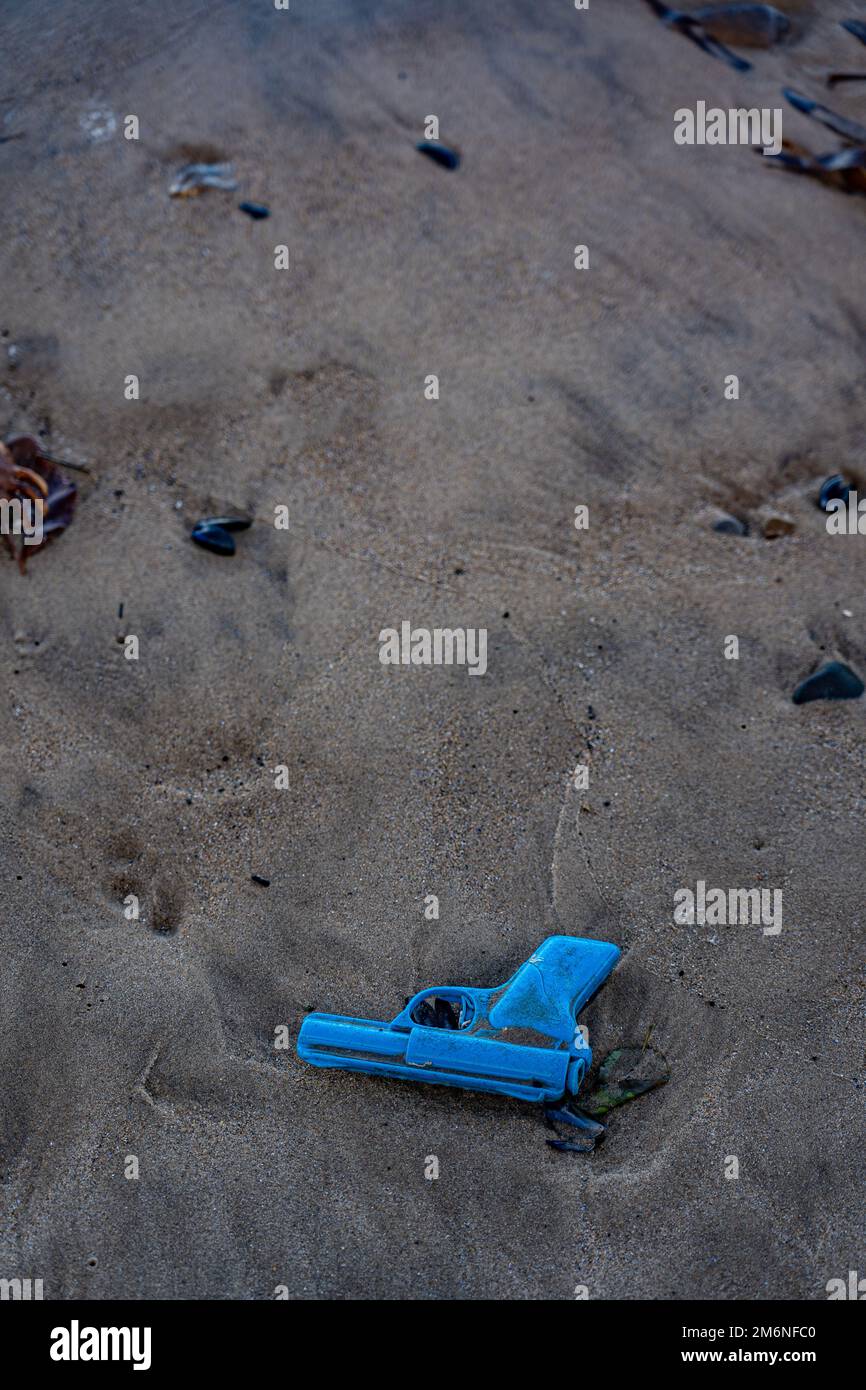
point(434, 1055)
point(519, 1039)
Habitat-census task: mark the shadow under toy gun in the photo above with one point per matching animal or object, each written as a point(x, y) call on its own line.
point(519, 1039)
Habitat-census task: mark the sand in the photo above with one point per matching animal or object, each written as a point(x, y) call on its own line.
point(305, 388)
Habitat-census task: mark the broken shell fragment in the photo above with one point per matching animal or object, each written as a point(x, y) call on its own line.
point(440, 154)
point(840, 125)
point(834, 681)
point(567, 1147)
point(228, 523)
point(213, 538)
point(688, 25)
point(565, 1116)
point(731, 526)
point(189, 181)
point(833, 489)
point(844, 169)
point(749, 26)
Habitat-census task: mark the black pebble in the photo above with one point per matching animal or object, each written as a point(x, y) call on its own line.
point(213, 538)
point(257, 878)
point(255, 210)
point(440, 154)
point(730, 526)
point(834, 487)
point(832, 682)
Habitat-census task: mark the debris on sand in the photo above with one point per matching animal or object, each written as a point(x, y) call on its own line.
point(255, 210)
point(831, 682)
point(440, 154)
point(731, 526)
point(744, 26)
point(262, 882)
point(566, 1146)
point(832, 490)
point(688, 24)
point(858, 29)
point(565, 1116)
point(228, 523)
point(32, 485)
point(840, 125)
point(591, 1132)
point(845, 170)
point(775, 525)
point(192, 179)
point(213, 533)
point(213, 538)
point(625, 1074)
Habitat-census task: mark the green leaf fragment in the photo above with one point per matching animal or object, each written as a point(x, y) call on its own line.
point(625, 1074)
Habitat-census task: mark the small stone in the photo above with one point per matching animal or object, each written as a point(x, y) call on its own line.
point(831, 489)
point(776, 526)
point(257, 878)
point(255, 210)
point(832, 682)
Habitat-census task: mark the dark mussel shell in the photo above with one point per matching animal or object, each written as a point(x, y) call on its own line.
point(213, 538)
point(440, 154)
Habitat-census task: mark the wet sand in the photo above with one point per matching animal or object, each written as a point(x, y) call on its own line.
point(259, 388)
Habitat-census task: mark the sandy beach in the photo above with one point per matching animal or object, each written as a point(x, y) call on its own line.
point(305, 389)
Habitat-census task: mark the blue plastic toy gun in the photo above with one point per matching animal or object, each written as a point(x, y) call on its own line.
point(518, 1039)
